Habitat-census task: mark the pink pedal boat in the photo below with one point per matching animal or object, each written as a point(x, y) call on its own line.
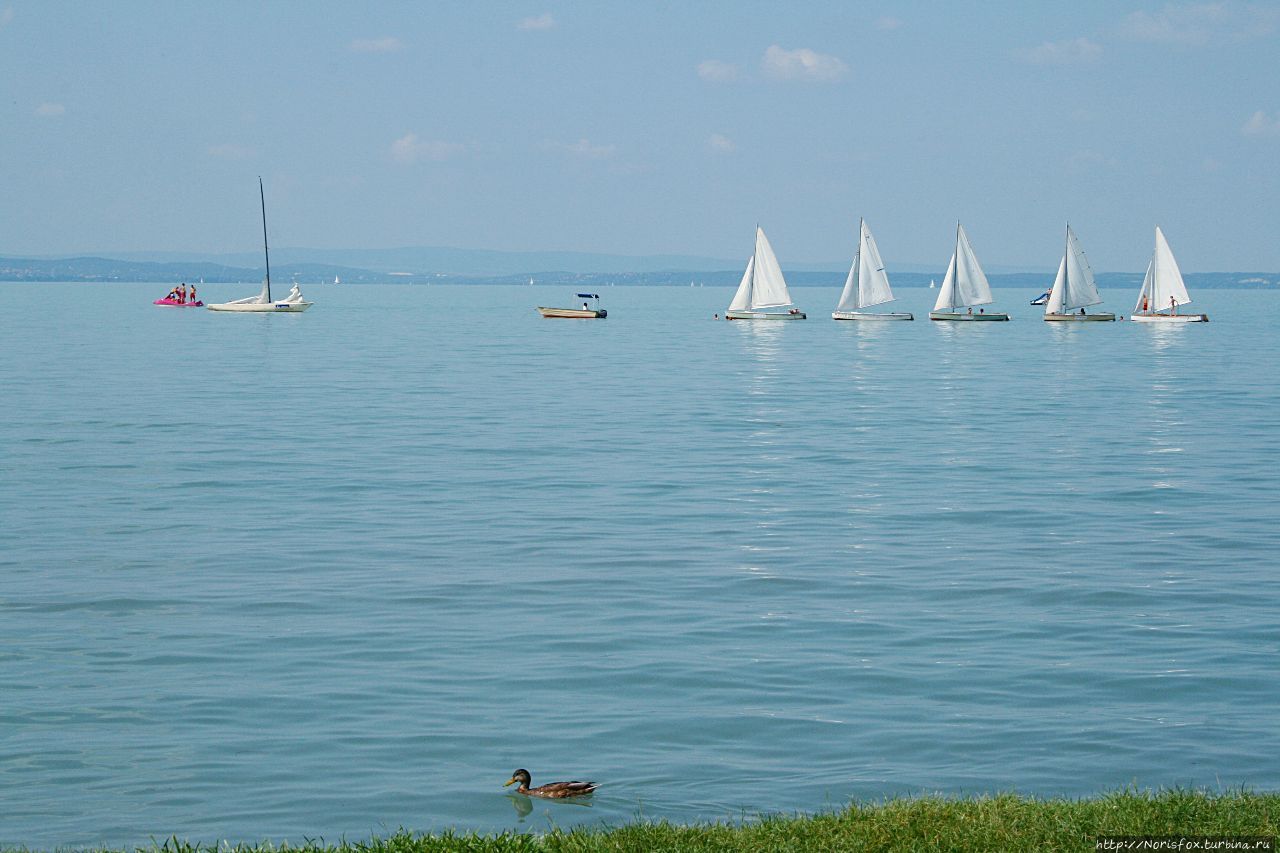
point(176, 304)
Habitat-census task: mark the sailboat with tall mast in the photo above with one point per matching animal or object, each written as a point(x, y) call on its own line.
point(1163, 289)
point(965, 286)
point(762, 288)
point(867, 284)
point(263, 303)
point(1074, 289)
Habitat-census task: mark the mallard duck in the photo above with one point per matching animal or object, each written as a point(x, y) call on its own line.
point(551, 790)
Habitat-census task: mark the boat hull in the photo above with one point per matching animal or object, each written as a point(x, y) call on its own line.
point(765, 315)
point(173, 303)
point(869, 315)
point(573, 313)
point(1080, 318)
point(261, 307)
point(1170, 318)
point(965, 317)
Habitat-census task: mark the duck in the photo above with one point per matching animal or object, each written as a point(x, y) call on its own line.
point(551, 790)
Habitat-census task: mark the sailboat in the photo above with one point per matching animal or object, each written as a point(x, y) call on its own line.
point(263, 303)
point(762, 288)
point(1163, 289)
point(867, 284)
point(1074, 288)
point(965, 286)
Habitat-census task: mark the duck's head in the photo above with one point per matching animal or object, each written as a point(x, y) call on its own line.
point(521, 776)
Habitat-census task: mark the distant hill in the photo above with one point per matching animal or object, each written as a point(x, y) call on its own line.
point(514, 268)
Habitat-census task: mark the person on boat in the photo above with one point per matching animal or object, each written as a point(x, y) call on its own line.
point(1173, 305)
point(1144, 303)
point(182, 292)
point(584, 307)
point(971, 311)
point(715, 316)
point(1081, 312)
point(191, 296)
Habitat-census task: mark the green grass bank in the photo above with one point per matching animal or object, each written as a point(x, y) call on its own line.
point(997, 823)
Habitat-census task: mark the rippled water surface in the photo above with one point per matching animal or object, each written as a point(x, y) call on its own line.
point(276, 577)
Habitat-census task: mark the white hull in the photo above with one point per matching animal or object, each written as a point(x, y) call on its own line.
point(1170, 318)
point(261, 307)
point(573, 313)
point(965, 317)
point(1080, 318)
point(764, 315)
point(869, 315)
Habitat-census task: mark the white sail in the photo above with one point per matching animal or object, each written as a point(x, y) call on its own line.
point(762, 284)
point(971, 282)
point(768, 287)
point(867, 284)
point(742, 298)
point(966, 284)
point(1163, 286)
point(1074, 288)
point(1053, 305)
point(946, 296)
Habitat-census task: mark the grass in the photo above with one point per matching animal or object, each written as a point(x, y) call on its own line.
point(998, 823)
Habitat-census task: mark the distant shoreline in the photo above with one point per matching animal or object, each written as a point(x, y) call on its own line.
point(172, 274)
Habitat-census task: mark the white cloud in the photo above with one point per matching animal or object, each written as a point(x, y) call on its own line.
point(587, 150)
point(802, 64)
point(542, 22)
point(410, 149)
point(1065, 52)
point(231, 151)
point(388, 44)
point(721, 143)
point(1260, 124)
point(715, 71)
point(1201, 23)
point(1089, 161)
point(888, 22)
point(48, 110)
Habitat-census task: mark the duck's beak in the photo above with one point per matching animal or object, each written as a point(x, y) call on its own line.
point(510, 781)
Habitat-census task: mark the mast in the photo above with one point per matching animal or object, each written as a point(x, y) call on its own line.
point(266, 255)
point(857, 263)
point(955, 281)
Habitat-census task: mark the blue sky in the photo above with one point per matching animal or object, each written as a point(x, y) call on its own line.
point(646, 128)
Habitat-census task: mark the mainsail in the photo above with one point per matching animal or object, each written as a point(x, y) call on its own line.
point(965, 284)
point(1163, 286)
point(867, 284)
point(1074, 287)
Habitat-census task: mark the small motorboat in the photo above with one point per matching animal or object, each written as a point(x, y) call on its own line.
point(588, 311)
point(173, 303)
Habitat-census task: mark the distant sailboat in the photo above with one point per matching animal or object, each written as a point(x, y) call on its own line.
point(762, 288)
point(867, 284)
point(1074, 289)
point(337, 280)
point(965, 286)
point(1163, 289)
point(932, 284)
point(263, 303)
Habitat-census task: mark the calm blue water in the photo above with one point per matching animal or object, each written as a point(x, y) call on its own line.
point(276, 577)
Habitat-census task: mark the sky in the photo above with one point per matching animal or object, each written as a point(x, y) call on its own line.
point(646, 128)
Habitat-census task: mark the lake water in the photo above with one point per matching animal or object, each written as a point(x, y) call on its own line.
point(327, 574)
